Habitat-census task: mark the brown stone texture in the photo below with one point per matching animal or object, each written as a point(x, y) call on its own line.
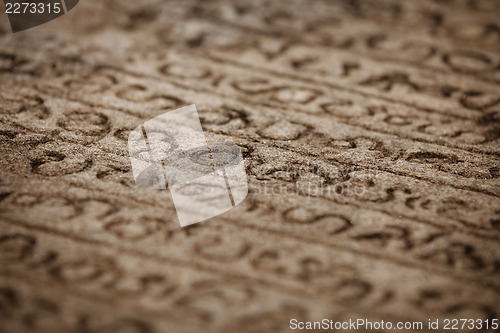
point(370, 134)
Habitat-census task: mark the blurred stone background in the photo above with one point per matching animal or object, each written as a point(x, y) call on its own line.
point(370, 133)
